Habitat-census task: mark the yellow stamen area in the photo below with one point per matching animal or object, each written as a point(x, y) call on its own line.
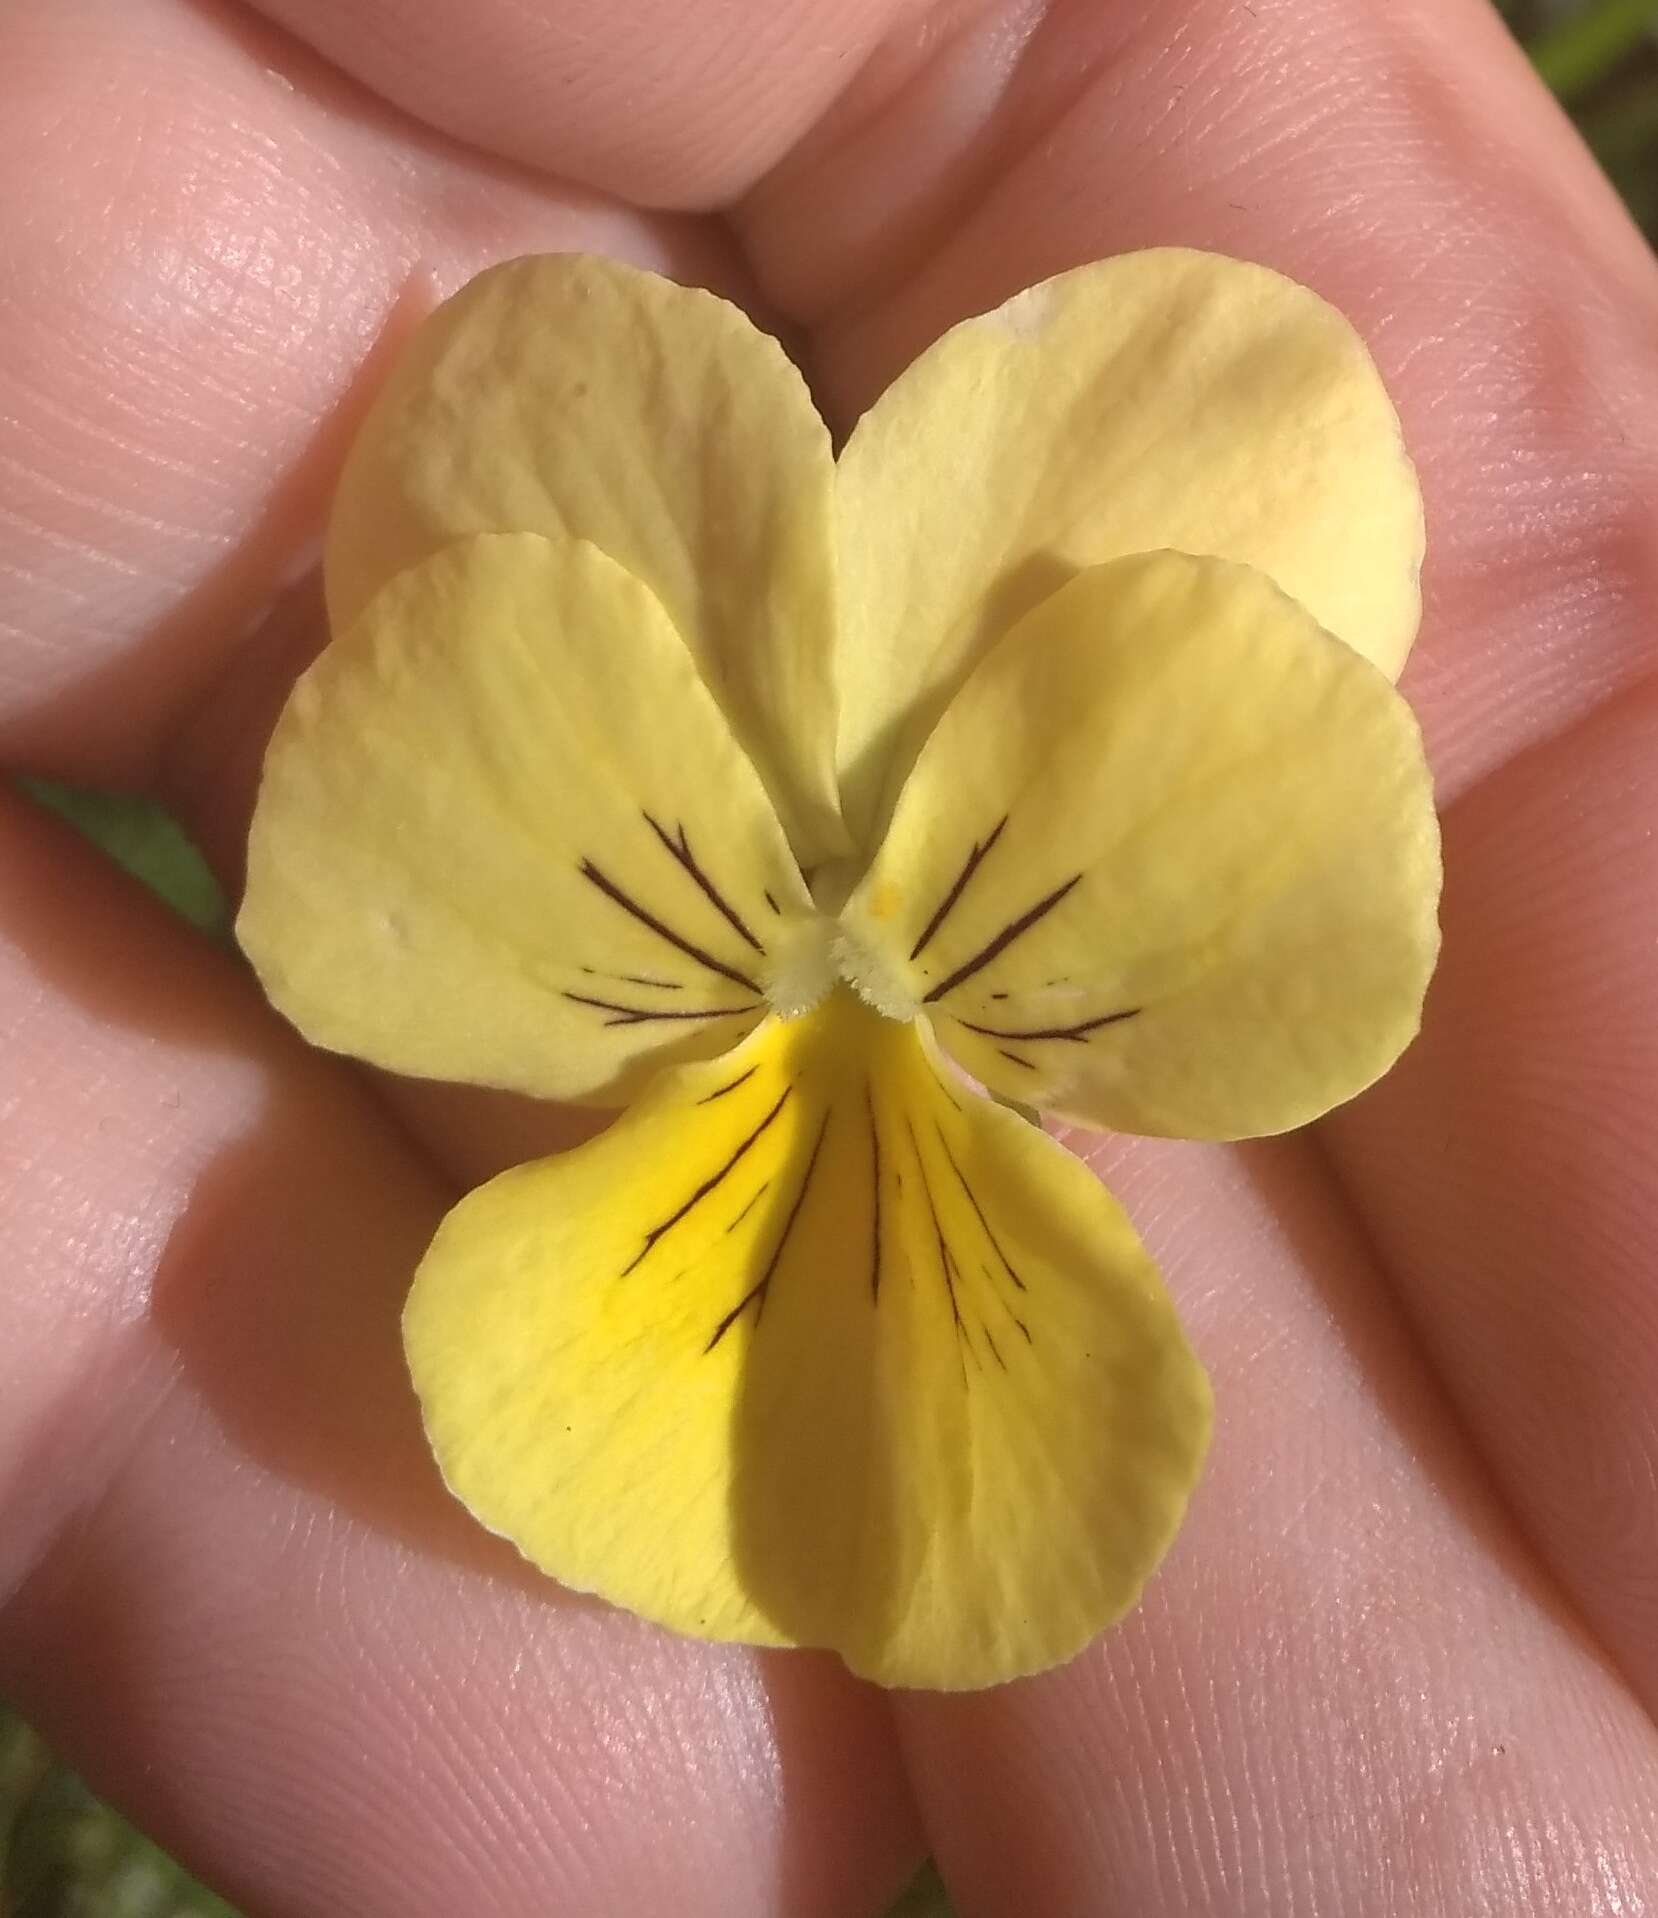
point(874, 976)
point(802, 966)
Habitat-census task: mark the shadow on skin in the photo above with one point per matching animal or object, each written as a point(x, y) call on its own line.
point(414, 215)
point(276, 1296)
point(1327, 1251)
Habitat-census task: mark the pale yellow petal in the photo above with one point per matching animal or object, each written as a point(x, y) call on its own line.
point(1168, 864)
point(1161, 399)
point(504, 835)
point(817, 1347)
point(580, 397)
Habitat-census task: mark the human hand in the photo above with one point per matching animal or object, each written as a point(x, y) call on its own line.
point(1403, 1657)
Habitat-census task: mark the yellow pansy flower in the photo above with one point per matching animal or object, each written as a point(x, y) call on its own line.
point(1042, 743)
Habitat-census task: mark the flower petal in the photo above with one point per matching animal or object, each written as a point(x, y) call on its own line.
point(817, 1347)
point(504, 835)
point(577, 396)
point(1162, 399)
point(1168, 864)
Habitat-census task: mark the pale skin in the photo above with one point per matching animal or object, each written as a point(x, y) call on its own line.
point(1404, 1658)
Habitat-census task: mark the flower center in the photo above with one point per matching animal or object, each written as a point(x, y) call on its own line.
point(813, 955)
point(802, 965)
point(873, 977)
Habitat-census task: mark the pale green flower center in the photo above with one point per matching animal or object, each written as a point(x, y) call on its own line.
point(812, 956)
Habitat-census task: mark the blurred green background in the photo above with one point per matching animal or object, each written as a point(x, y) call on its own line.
point(65, 1855)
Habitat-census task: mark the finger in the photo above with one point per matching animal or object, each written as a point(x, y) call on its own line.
point(1513, 313)
point(1510, 302)
point(206, 234)
point(659, 104)
point(892, 72)
point(1524, 363)
point(231, 1585)
point(1510, 1167)
point(1349, 1690)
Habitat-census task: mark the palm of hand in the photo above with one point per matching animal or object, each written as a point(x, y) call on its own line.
point(1403, 1659)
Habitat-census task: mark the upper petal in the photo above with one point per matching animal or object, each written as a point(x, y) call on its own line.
point(577, 396)
point(1161, 399)
point(816, 1347)
point(1168, 863)
point(504, 835)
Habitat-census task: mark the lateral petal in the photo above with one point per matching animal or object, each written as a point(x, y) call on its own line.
point(504, 835)
point(1167, 864)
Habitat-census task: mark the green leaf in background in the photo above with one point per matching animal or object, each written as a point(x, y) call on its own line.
point(145, 841)
point(1586, 46)
point(924, 1899)
point(65, 1855)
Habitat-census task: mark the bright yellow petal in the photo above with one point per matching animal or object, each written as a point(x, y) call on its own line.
point(1162, 399)
point(505, 836)
point(1169, 862)
point(817, 1347)
point(577, 396)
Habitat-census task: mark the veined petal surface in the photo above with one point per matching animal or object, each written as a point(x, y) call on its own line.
point(576, 396)
point(816, 1346)
point(504, 835)
point(1161, 399)
point(1168, 864)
